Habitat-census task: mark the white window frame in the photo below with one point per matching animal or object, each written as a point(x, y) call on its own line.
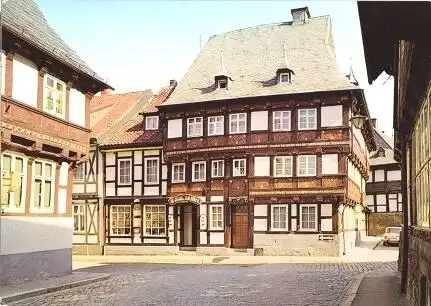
point(305, 113)
point(80, 217)
point(314, 229)
point(211, 215)
point(56, 94)
point(214, 124)
point(234, 123)
point(195, 127)
point(175, 166)
point(146, 160)
point(148, 209)
point(12, 206)
point(203, 177)
point(222, 81)
point(124, 221)
point(273, 228)
point(307, 163)
point(44, 179)
point(284, 123)
point(289, 76)
point(79, 174)
point(284, 163)
point(152, 123)
point(217, 171)
point(239, 167)
point(129, 175)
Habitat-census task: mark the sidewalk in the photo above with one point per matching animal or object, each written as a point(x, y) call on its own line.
point(14, 292)
point(380, 289)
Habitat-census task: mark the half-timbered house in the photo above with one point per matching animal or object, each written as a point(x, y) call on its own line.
point(137, 218)
point(108, 112)
point(396, 40)
point(260, 150)
point(383, 188)
point(45, 93)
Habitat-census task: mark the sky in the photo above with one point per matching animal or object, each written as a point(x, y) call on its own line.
point(139, 44)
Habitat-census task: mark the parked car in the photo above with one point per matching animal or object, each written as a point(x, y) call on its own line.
point(392, 235)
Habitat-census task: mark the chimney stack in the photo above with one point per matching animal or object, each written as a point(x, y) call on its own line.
point(374, 123)
point(300, 15)
point(173, 83)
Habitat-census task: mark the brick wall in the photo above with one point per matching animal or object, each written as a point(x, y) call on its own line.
point(377, 222)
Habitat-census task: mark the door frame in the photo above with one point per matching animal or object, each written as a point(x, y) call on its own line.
point(195, 225)
point(249, 212)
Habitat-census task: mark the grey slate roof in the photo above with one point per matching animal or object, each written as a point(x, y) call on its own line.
point(252, 57)
point(382, 140)
point(385, 143)
point(25, 19)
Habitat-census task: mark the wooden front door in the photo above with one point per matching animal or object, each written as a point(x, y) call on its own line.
point(240, 227)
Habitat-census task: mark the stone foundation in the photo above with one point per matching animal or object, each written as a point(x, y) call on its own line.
point(140, 250)
point(419, 274)
point(377, 222)
point(87, 249)
point(223, 251)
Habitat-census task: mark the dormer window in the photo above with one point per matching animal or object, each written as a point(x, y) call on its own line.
point(285, 77)
point(152, 123)
point(221, 82)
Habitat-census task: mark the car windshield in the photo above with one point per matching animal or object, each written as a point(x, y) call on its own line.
point(395, 230)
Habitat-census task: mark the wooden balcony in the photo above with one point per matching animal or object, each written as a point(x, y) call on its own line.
point(31, 125)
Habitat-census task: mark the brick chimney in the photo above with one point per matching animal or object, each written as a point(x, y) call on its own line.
point(300, 15)
point(374, 123)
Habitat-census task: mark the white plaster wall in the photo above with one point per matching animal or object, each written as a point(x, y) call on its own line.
point(151, 152)
point(137, 188)
point(294, 223)
point(25, 81)
point(21, 234)
point(64, 173)
point(110, 173)
point(360, 138)
point(154, 190)
point(164, 188)
point(3, 73)
point(62, 200)
point(164, 172)
point(77, 107)
point(326, 224)
point(260, 225)
point(261, 166)
point(138, 173)
point(332, 115)
point(326, 210)
point(216, 198)
point(78, 188)
point(110, 189)
point(203, 238)
point(125, 153)
point(137, 155)
point(124, 191)
point(110, 159)
point(175, 128)
point(394, 175)
point(379, 175)
point(171, 237)
point(329, 163)
point(99, 173)
point(260, 210)
point(91, 187)
point(259, 121)
point(370, 200)
point(216, 238)
point(293, 210)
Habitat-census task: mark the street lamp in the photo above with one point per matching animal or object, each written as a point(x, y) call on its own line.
point(358, 121)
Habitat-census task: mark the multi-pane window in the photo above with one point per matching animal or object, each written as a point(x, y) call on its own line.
point(54, 96)
point(79, 172)
point(283, 166)
point(121, 218)
point(217, 168)
point(151, 170)
point(152, 123)
point(239, 167)
point(306, 165)
point(198, 169)
point(12, 182)
point(178, 173)
point(238, 123)
point(79, 218)
point(215, 125)
point(194, 127)
point(43, 180)
point(281, 121)
point(308, 217)
point(124, 171)
point(307, 119)
point(216, 216)
point(279, 217)
point(155, 220)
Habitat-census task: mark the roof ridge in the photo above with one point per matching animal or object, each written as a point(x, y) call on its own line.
point(383, 137)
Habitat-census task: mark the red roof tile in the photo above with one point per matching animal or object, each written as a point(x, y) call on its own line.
point(132, 133)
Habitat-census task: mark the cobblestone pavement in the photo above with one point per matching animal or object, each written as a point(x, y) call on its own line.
point(162, 284)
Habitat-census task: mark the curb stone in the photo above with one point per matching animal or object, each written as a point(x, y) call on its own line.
point(50, 289)
point(353, 290)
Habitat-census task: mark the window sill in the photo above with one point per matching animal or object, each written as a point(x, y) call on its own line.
point(178, 182)
point(198, 181)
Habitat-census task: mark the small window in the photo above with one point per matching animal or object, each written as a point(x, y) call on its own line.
point(308, 217)
point(306, 165)
point(215, 125)
point(121, 220)
point(281, 121)
point(79, 218)
point(217, 167)
point(307, 119)
point(79, 172)
point(54, 96)
point(152, 123)
point(13, 182)
point(155, 220)
point(198, 171)
point(194, 127)
point(216, 217)
point(279, 217)
point(239, 167)
point(43, 185)
point(124, 171)
point(285, 77)
point(178, 173)
point(283, 166)
point(151, 170)
point(222, 84)
point(238, 123)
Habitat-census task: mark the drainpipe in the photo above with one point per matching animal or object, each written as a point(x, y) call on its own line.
point(405, 263)
point(342, 225)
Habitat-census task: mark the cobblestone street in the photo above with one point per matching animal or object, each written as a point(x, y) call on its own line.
point(162, 284)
